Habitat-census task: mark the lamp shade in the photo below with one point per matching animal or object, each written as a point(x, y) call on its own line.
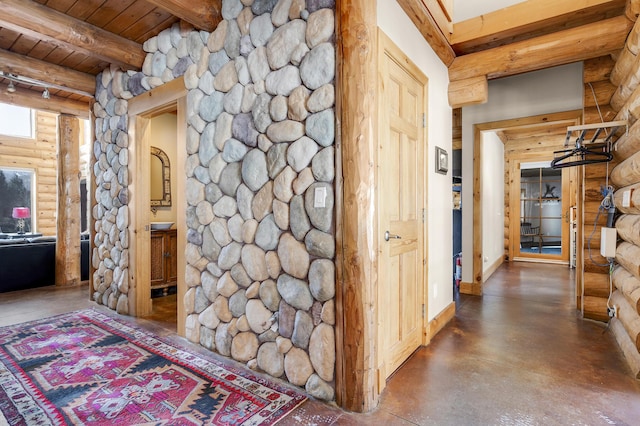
point(21, 213)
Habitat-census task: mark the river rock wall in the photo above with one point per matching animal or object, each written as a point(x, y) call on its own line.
point(260, 171)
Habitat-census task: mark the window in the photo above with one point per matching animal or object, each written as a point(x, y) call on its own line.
point(16, 121)
point(16, 190)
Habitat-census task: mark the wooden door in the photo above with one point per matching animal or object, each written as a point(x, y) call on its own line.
point(401, 204)
point(158, 259)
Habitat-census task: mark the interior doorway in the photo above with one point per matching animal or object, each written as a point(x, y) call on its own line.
point(169, 98)
point(542, 213)
point(525, 139)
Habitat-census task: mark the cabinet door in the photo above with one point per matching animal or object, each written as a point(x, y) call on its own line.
point(157, 258)
point(171, 249)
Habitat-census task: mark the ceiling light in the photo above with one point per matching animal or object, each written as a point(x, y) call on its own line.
point(11, 88)
point(45, 94)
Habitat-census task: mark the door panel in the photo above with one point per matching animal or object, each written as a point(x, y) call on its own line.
point(401, 195)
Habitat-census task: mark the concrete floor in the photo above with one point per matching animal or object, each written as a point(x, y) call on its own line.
point(519, 355)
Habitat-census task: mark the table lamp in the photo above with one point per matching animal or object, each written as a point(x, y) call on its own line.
point(21, 213)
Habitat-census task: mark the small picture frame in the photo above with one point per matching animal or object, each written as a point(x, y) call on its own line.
point(442, 161)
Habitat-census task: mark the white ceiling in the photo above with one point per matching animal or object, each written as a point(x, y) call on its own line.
point(466, 9)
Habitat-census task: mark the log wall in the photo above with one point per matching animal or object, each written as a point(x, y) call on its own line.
point(38, 154)
point(625, 178)
point(593, 283)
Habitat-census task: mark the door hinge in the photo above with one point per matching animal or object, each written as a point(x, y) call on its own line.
point(424, 120)
point(424, 310)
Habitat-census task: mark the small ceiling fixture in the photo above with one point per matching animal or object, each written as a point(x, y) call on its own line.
point(11, 88)
point(45, 94)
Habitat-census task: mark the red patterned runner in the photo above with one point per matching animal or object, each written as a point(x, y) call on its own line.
point(88, 368)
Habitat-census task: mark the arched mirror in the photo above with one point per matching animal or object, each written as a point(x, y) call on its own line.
point(160, 178)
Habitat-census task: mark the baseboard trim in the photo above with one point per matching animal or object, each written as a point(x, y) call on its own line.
point(442, 319)
point(491, 269)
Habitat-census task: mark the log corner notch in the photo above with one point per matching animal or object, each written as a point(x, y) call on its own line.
point(470, 91)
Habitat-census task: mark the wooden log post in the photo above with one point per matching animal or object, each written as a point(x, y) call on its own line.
point(628, 285)
point(632, 9)
point(469, 91)
point(628, 348)
point(68, 235)
point(627, 57)
point(356, 386)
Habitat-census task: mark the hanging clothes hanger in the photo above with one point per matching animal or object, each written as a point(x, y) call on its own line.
point(582, 155)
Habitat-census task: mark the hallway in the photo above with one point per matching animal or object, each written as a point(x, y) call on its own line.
point(519, 355)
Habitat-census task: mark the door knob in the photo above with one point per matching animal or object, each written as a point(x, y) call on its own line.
point(388, 236)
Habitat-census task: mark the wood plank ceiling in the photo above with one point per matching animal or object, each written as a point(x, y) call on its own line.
point(64, 44)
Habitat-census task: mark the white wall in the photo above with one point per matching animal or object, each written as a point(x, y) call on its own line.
point(493, 199)
point(395, 24)
point(541, 92)
point(164, 134)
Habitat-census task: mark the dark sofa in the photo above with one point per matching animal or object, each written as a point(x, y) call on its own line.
point(32, 263)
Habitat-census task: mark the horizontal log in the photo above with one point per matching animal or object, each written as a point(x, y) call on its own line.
point(630, 111)
point(47, 24)
point(632, 10)
point(626, 88)
point(603, 90)
point(628, 144)
point(598, 170)
point(597, 69)
point(627, 56)
point(628, 285)
point(591, 267)
point(33, 99)
point(596, 284)
point(469, 91)
point(634, 199)
point(562, 47)
point(595, 308)
point(628, 228)
point(628, 317)
point(422, 19)
point(628, 256)
point(628, 348)
point(203, 14)
point(627, 172)
point(593, 115)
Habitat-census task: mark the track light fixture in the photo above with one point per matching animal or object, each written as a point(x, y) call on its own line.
point(13, 78)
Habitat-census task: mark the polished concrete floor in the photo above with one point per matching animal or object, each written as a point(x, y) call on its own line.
point(519, 355)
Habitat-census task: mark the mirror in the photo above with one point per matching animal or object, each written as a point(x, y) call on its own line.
point(160, 178)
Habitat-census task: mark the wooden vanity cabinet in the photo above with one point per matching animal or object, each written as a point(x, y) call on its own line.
point(164, 259)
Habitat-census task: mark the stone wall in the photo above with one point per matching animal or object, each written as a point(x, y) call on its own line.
point(260, 172)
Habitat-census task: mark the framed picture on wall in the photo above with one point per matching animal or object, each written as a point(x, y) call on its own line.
point(442, 161)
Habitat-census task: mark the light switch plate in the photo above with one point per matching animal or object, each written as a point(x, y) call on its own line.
point(626, 198)
point(320, 196)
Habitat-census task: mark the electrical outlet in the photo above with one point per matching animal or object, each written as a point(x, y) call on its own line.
point(612, 311)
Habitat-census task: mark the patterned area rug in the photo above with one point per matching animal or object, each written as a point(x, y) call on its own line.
point(88, 368)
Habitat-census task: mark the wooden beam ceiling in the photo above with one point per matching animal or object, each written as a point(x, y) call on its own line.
point(53, 76)
point(564, 47)
point(520, 22)
point(43, 23)
point(202, 14)
point(425, 23)
point(32, 99)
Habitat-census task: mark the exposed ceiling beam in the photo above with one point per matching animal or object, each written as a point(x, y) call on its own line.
point(54, 76)
point(33, 99)
point(427, 26)
point(203, 14)
point(43, 23)
point(564, 47)
point(527, 20)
